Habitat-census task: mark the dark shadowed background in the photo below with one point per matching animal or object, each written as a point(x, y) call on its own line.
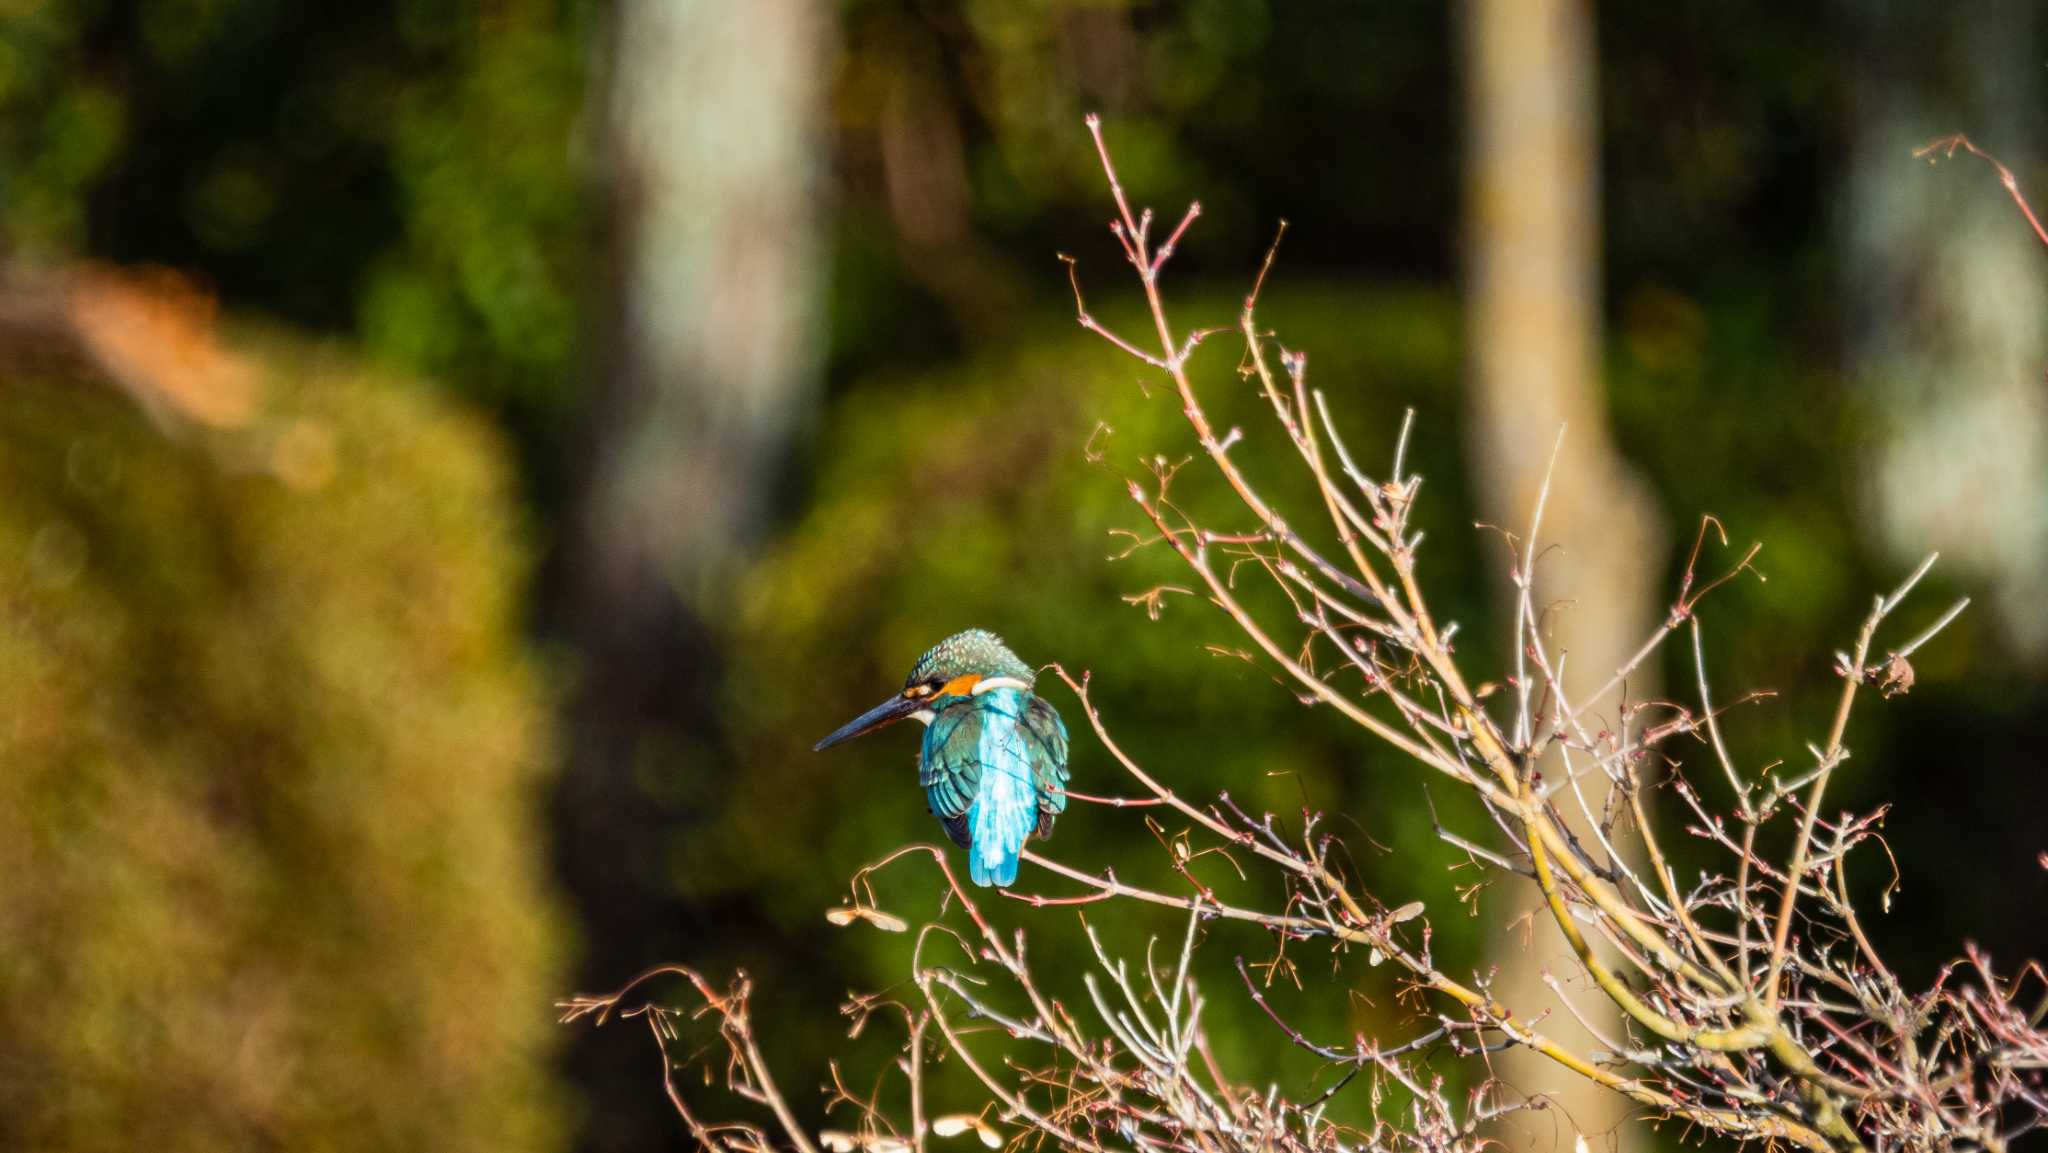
point(457, 455)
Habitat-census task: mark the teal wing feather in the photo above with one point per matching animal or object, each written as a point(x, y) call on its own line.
point(1048, 735)
point(949, 768)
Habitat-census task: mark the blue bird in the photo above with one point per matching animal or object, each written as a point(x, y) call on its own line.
point(994, 761)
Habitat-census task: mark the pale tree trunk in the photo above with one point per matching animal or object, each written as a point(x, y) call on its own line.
point(1947, 295)
point(712, 157)
point(1533, 326)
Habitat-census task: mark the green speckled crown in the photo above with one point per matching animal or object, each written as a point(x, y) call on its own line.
point(974, 651)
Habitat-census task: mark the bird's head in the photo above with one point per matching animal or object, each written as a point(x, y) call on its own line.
point(956, 669)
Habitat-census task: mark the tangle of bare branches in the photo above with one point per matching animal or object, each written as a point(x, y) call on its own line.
point(1753, 1003)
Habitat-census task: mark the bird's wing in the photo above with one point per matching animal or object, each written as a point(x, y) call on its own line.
point(1048, 759)
point(958, 831)
point(949, 768)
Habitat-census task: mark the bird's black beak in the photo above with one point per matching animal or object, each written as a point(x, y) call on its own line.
point(887, 713)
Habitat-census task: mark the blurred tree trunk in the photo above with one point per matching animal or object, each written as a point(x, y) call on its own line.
point(711, 158)
point(1947, 291)
point(1532, 253)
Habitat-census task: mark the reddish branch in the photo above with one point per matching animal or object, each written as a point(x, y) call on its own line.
point(1947, 146)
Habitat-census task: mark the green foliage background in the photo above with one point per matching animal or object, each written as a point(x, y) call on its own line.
point(268, 817)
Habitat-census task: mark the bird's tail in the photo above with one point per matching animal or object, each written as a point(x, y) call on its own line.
point(1001, 818)
point(998, 870)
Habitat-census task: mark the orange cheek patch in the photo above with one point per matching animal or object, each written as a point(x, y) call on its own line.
point(961, 686)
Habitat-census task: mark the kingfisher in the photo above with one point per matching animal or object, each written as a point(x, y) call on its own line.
point(994, 761)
